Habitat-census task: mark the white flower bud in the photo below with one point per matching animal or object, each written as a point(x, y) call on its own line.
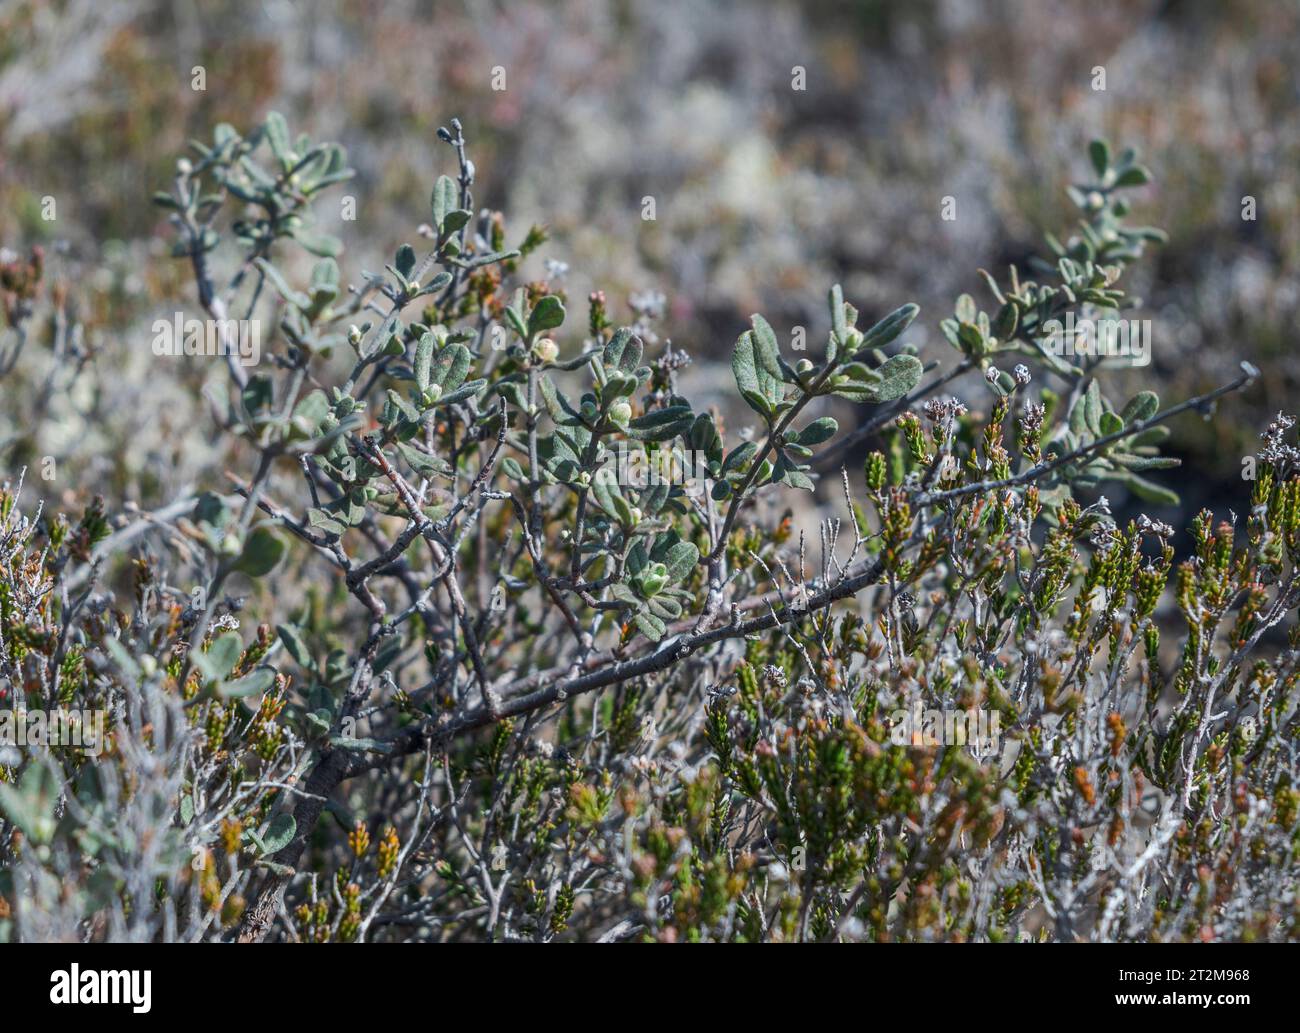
point(546, 350)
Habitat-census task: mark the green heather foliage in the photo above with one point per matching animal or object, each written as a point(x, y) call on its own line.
point(498, 693)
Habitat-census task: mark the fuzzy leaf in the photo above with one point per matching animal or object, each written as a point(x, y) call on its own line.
point(890, 327)
point(424, 360)
point(405, 261)
point(449, 370)
point(661, 424)
point(1149, 492)
point(354, 745)
point(423, 463)
point(277, 135)
point(296, 647)
point(839, 325)
point(759, 387)
point(279, 833)
point(1092, 408)
point(1132, 462)
point(619, 345)
point(651, 626)
point(1099, 152)
point(445, 200)
point(219, 659)
point(816, 432)
point(323, 245)
point(767, 353)
point(1142, 406)
point(262, 551)
point(470, 387)
point(547, 314)
point(1134, 176)
point(664, 608)
point(739, 456)
point(681, 560)
point(256, 681)
point(898, 376)
point(30, 804)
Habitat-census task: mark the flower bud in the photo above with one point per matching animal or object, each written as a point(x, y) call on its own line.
point(620, 412)
point(653, 580)
point(546, 350)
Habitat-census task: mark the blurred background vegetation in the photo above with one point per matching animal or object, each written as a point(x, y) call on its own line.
point(764, 194)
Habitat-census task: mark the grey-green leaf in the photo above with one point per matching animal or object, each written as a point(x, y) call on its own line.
point(898, 376)
point(445, 200)
point(547, 314)
point(891, 326)
point(279, 833)
point(405, 261)
point(818, 431)
point(681, 560)
point(451, 367)
point(1141, 407)
point(424, 360)
point(220, 658)
point(1149, 492)
point(766, 351)
point(255, 682)
point(1092, 408)
point(1099, 152)
point(297, 648)
point(262, 551)
point(661, 424)
point(651, 626)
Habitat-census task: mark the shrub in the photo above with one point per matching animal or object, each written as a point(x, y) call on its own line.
point(514, 684)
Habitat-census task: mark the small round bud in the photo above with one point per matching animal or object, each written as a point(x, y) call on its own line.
point(546, 350)
point(620, 412)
